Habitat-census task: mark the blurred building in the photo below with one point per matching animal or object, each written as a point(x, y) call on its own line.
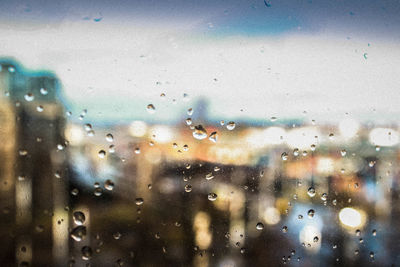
point(33, 171)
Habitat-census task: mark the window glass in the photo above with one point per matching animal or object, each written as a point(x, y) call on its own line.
point(199, 133)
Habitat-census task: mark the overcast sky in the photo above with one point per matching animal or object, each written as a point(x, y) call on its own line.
point(249, 59)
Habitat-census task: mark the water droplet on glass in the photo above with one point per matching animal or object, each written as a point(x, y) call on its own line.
point(44, 91)
point(190, 111)
point(343, 152)
point(199, 132)
point(296, 152)
point(78, 233)
point(371, 163)
point(109, 138)
point(39, 108)
point(260, 226)
point(285, 229)
point(324, 196)
point(312, 147)
point(188, 188)
point(98, 191)
point(311, 191)
point(209, 176)
point(109, 185)
point(374, 232)
point(151, 109)
point(212, 196)
point(102, 154)
point(222, 123)
point(139, 201)
point(231, 125)
point(284, 156)
point(300, 217)
point(86, 253)
point(311, 213)
point(331, 136)
point(365, 55)
point(78, 217)
point(189, 121)
point(117, 235)
point(315, 239)
point(74, 192)
point(29, 97)
point(137, 150)
point(213, 137)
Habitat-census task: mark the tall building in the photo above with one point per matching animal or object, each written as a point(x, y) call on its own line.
point(33, 173)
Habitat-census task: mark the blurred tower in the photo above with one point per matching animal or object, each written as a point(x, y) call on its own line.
point(7, 162)
point(38, 175)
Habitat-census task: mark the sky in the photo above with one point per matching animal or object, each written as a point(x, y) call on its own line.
point(249, 59)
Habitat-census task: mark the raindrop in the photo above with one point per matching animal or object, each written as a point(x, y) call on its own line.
point(139, 201)
point(273, 119)
point(102, 154)
point(88, 127)
point(86, 253)
point(231, 125)
point(296, 152)
point(209, 176)
point(300, 217)
point(371, 163)
point(343, 152)
point(312, 147)
point(331, 136)
point(78, 217)
point(213, 137)
point(190, 111)
point(188, 188)
point(189, 121)
point(260, 226)
point(151, 109)
point(109, 185)
point(324, 196)
point(267, 3)
point(285, 229)
point(365, 55)
point(78, 233)
point(371, 255)
point(39, 108)
point(111, 149)
point(311, 191)
point(29, 97)
point(109, 138)
point(44, 91)
point(117, 235)
point(222, 122)
point(212, 196)
point(284, 156)
point(137, 150)
point(74, 192)
point(23, 152)
point(98, 191)
point(374, 232)
point(316, 239)
point(199, 132)
point(311, 213)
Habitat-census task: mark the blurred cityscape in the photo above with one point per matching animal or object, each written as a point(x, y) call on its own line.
point(194, 193)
